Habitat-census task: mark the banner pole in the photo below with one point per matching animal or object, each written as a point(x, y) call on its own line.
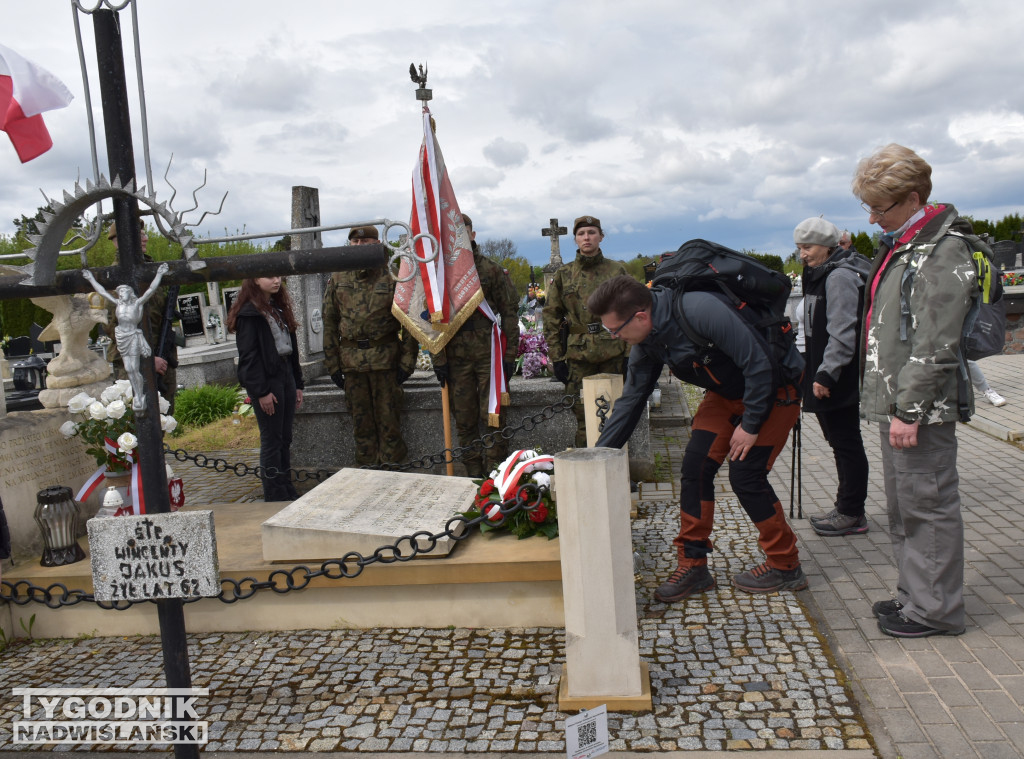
point(446, 415)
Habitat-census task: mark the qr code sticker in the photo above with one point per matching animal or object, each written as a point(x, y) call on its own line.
point(586, 733)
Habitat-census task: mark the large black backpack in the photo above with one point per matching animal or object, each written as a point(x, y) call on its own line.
point(759, 295)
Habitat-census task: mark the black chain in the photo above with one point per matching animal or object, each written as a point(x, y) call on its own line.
point(527, 424)
point(603, 405)
point(406, 548)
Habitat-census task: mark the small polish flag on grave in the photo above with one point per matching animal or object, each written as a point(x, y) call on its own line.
point(26, 91)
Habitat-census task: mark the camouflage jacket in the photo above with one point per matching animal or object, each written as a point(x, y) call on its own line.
point(473, 340)
point(913, 375)
point(360, 333)
point(567, 297)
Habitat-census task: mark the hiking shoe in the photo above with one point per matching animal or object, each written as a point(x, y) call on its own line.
point(885, 608)
point(898, 626)
point(994, 398)
point(841, 524)
point(685, 581)
point(766, 579)
point(823, 517)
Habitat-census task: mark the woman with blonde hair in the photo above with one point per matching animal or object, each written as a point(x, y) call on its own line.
point(920, 288)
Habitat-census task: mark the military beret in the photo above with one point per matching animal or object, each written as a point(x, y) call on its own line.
point(467, 221)
point(364, 233)
point(112, 231)
point(816, 231)
point(587, 221)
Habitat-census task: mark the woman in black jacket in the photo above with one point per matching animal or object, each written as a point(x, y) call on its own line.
point(268, 369)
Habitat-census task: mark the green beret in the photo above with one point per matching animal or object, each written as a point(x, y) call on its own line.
point(587, 221)
point(363, 233)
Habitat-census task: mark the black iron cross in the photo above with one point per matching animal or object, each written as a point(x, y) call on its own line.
point(133, 270)
point(554, 232)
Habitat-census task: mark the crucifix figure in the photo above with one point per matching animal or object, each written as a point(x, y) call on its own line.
point(130, 339)
point(554, 232)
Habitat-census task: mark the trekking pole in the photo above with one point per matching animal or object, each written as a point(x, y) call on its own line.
point(796, 475)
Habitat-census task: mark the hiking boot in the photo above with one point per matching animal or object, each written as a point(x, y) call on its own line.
point(885, 608)
point(685, 581)
point(823, 517)
point(767, 579)
point(841, 524)
point(898, 626)
point(994, 398)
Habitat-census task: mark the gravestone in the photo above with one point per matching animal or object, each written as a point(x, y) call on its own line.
point(1004, 253)
point(191, 309)
point(228, 294)
point(362, 510)
point(137, 558)
point(215, 323)
point(307, 290)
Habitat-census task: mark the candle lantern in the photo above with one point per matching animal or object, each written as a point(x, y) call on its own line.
point(58, 516)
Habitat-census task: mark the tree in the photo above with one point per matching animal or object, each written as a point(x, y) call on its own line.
point(499, 249)
point(503, 251)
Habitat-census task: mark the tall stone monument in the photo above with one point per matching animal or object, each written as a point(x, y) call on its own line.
point(554, 232)
point(307, 290)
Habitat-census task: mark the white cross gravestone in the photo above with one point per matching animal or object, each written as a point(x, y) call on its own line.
point(362, 510)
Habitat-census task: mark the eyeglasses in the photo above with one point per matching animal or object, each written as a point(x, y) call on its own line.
point(615, 332)
point(873, 212)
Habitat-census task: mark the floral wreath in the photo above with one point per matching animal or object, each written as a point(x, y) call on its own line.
point(521, 470)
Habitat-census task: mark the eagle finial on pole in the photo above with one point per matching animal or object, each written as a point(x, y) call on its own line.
point(420, 78)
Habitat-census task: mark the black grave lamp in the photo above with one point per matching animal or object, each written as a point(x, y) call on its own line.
point(58, 516)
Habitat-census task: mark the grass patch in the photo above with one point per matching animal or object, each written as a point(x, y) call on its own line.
point(219, 435)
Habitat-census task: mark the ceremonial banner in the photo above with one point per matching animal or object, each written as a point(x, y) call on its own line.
point(445, 291)
point(27, 90)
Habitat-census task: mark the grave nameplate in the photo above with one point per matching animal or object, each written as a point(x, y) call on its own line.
point(191, 309)
point(362, 510)
point(154, 556)
point(229, 294)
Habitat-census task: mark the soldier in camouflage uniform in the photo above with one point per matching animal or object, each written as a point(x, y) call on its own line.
point(465, 361)
point(588, 349)
point(156, 306)
point(366, 357)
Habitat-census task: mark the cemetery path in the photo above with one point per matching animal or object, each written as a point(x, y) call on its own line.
point(805, 671)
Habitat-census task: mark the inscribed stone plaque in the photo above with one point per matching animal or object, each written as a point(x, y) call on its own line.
point(191, 309)
point(154, 556)
point(362, 510)
point(229, 294)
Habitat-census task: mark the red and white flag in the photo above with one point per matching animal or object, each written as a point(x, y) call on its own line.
point(446, 291)
point(26, 91)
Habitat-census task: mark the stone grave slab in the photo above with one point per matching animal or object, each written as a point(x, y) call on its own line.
point(152, 556)
point(362, 510)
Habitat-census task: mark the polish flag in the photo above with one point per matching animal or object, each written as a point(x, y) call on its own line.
point(26, 90)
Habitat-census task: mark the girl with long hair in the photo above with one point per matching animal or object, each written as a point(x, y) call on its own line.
point(268, 369)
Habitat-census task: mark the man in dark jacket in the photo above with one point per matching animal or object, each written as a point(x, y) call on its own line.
point(833, 286)
point(743, 416)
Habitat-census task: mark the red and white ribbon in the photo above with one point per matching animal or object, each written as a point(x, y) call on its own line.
point(515, 466)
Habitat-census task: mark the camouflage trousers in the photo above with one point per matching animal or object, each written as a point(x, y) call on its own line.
point(375, 401)
point(577, 371)
point(468, 391)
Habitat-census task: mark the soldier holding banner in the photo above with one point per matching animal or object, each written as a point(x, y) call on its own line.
point(588, 349)
point(366, 357)
point(464, 361)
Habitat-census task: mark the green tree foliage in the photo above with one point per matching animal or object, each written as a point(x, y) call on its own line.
point(770, 260)
point(504, 252)
point(635, 266)
point(1007, 228)
point(864, 243)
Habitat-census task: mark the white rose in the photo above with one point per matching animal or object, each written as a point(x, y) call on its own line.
point(80, 403)
point(542, 479)
point(124, 386)
point(69, 429)
point(165, 405)
point(116, 409)
point(111, 394)
point(127, 441)
point(168, 423)
point(97, 411)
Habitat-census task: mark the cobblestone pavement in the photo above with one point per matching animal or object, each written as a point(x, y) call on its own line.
point(788, 671)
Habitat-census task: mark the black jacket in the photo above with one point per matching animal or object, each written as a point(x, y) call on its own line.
point(737, 367)
point(258, 360)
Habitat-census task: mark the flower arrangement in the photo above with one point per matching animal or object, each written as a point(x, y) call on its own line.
point(1012, 278)
point(532, 357)
point(107, 425)
point(522, 469)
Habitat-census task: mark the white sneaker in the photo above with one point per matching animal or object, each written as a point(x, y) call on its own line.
point(994, 398)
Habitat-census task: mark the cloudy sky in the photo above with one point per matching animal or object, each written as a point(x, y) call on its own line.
point(669, 120)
